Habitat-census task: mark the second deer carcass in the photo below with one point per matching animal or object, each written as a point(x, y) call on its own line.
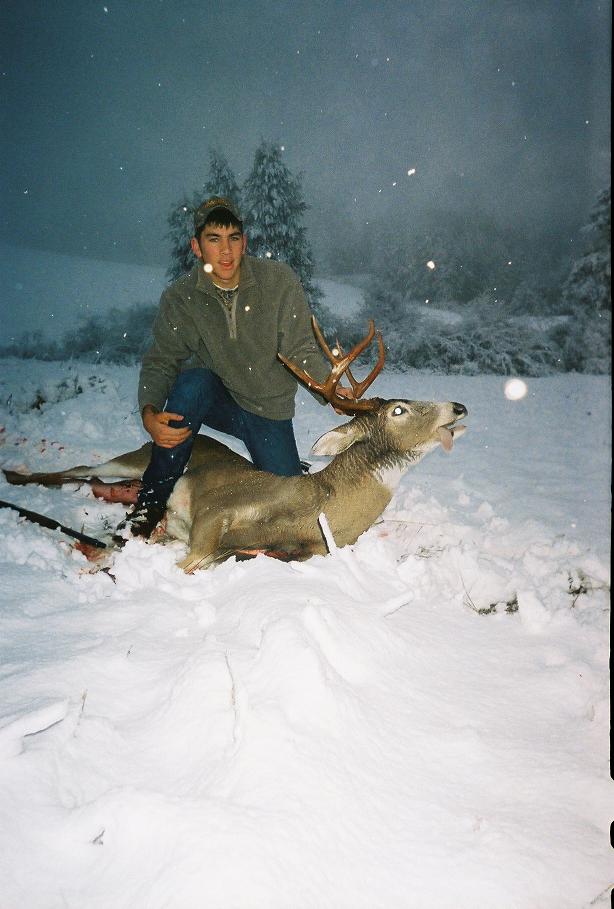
point(222, 506)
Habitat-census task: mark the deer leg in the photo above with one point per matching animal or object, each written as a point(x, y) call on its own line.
point(46, 479)
point(126, 493)
point(243, 555)
point(205, 538)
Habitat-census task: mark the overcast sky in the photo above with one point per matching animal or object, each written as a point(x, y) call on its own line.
point(109, 109)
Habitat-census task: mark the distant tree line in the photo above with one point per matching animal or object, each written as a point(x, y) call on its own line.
point(450, 298)
point(453, 299)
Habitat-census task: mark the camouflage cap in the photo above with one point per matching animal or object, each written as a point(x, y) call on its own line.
point(203, 211)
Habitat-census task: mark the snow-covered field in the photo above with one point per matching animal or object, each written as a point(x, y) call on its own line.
point(342, 298)
point(420, 720)
point(48, 292)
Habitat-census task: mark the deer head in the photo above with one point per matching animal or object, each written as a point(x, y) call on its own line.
point(396, 429)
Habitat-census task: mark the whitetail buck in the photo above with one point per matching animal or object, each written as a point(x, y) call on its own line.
point(223, 506)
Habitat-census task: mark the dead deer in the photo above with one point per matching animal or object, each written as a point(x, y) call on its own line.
point(222, 506)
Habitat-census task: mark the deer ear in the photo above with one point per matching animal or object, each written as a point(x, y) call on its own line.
point(337, 440)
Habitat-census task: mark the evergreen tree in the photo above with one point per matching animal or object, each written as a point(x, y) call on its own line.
point(587, 296)
point(221, 182)
point(273, 209)
point(589, 284)
point(528, 298)
point(181, 228)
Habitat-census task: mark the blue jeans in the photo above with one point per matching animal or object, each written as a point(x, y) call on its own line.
point(201, 397)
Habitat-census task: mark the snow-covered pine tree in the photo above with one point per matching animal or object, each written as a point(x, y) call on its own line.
point(180, 229)
point(221, 182)
point(273, 208)
point(587, 296)
point(589, 283)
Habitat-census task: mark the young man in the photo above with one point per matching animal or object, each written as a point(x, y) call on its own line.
point(213, 359)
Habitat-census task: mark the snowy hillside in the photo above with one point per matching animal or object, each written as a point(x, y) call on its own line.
point(49, 292)
point(417, 721)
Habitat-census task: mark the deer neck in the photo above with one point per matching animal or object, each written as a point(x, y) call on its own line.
point(363, 481)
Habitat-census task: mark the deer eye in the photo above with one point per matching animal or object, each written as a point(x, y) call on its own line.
point(398, 410)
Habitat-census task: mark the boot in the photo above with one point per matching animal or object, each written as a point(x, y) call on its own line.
point(140, 523)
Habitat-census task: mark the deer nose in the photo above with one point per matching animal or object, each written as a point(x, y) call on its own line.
point(459, 409)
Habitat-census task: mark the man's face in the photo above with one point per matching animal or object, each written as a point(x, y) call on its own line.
point(222, 248)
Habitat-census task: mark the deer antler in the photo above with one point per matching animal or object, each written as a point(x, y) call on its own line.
point(341, 365)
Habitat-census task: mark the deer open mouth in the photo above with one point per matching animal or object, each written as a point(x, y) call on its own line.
point(448, 433)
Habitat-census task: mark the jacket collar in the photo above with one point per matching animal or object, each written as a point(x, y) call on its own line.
point(206, 285)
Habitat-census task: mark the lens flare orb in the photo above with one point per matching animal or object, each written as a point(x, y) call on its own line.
point(515, 389)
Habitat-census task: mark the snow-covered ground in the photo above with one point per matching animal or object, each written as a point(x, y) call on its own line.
point(48, 292)
point(341, 298)
point(419, 721)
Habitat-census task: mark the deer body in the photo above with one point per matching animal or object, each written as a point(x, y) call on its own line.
point(247, 509)
point(223, 506)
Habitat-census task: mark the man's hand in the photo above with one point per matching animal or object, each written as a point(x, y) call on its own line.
point(156, 424)
point(344, 392)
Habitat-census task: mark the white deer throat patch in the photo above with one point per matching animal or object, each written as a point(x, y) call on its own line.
point(390, 476)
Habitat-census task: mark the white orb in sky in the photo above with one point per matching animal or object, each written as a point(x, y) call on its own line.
point(208, 267)
point(515, 389)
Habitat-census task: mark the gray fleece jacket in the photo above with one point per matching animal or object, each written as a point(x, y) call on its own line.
point(193, 327)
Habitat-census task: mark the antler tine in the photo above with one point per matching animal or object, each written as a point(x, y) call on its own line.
point(322, 341)
point(348, 371)
point(340, 365)
point(359, 388)
point(341, 361)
